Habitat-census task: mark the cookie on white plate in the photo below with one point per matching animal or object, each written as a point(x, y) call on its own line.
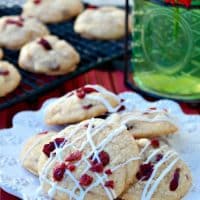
point(9, 78)
point(15, 31)
point(83, 103)
point(162, 174)
point(149, 124)
point(98, 161)
point(49, 55)
point(49, 11)
point(104, 23)
point(31, 150)
point(1, 53)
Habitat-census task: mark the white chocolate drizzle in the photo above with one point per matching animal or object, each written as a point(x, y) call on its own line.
point(100, 179)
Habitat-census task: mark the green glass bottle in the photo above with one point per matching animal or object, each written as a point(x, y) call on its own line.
point(166, 49)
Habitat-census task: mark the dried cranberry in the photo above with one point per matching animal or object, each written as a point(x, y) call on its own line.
point(87, 107)
point(71, 167)
point(4, 72)
point(145, 172)
point(80, 93)
point(145, 113)
point(75, 156)
point(109, 184)
point(15, 22)
point(153, 108)
point(37, 1)
point(43, 133)
point(155, 143)
point(122, 100)
point(97, 167)
point(104, 158)
point(48, 148)
point(59, 141)
point(45, 44)
point(58, 172)
point(85, 180)
point(108, 172)
point(159, 157)
point(175, 180)
point(121, 108)
point(89, 90)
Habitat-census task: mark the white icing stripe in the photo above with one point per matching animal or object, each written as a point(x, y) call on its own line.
point(154, 153)
point(145, 148)
point(105, 103)
point(104, 91)
point(100, 178)
point(162, 175)
point(166, 157)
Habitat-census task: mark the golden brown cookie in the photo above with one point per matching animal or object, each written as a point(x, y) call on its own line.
point(49, 11)
point(83, 103)
point(104, 23)
point(147, 124)
point(49, 55)
point(9, 78)
point(31, 150)
point(162, 174)
point(98, 161)
point(15, 31)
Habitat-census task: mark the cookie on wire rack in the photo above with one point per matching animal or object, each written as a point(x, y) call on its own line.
point(49, 55)
point(15, 31)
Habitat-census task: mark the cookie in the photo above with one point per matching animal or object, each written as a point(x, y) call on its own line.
point(9, 78)
point(88, 164)
point(1, 53)
point(15, 31)
point(162, 174)
point(31, 150)
point(104, 23)
point(83, 103)
point(49, 11)
point(147, 124)
point(49, 55)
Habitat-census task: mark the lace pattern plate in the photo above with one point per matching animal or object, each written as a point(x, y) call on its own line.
point(17, 181)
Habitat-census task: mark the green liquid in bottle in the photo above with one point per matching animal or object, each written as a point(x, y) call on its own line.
point(166, 50)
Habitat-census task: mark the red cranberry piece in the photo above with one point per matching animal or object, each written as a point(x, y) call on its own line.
point(87, 107)
point(48, 148)
point(71, 167)
point(85, 180)
point(15, 22)
point(59, 141)
point(145, 113)
point(175, 180)
point(155, 143)
point(43, 133)
point(75, 156)
point(145, 172)
point(108, 172)
point(97, 167)
point(37, 1)
point(153, 108)
point(104, 158)
point(4, 72)
point(122, 100)
point(121, 108)
point(89, 90)
point(159, 157)
point(45, 44)
point(80, 93)
point(109, 184)
point(58, 172)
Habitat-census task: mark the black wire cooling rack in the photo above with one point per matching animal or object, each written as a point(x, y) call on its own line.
point(93, 54)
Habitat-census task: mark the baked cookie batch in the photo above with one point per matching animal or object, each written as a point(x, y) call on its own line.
point(43, 53)
point(105, 152)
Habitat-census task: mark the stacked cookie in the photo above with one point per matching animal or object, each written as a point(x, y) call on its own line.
point(105, 158)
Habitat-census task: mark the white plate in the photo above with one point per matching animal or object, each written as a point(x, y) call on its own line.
point(17, 181)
